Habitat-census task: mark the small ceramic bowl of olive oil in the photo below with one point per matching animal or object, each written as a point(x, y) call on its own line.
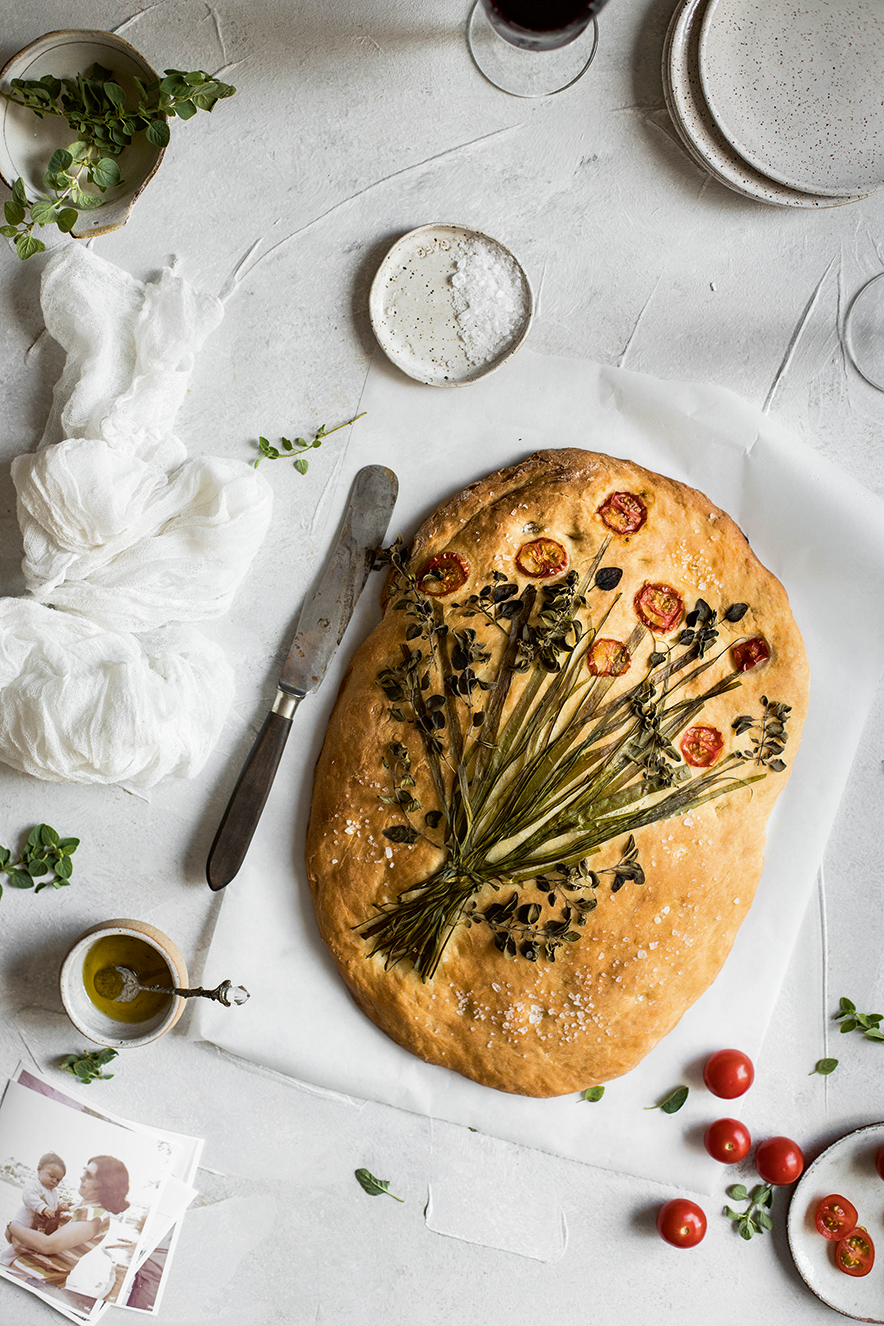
point(144, 950)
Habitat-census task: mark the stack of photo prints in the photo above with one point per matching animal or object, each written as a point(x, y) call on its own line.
point(91, 1205)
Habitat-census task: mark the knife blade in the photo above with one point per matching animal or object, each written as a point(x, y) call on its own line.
point(321, 626)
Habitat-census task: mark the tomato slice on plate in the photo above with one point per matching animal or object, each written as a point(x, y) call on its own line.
point(835, 1216)
point(855, 1253)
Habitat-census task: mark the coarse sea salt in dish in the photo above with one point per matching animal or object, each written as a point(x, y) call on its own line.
point(449, 305)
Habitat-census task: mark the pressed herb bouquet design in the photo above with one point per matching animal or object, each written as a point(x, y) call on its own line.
point(527, 801)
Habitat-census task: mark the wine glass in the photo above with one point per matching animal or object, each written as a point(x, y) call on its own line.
point(864, 331)
point(532, 48)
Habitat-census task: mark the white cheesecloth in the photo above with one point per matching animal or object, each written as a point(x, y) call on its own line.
point(126, 541)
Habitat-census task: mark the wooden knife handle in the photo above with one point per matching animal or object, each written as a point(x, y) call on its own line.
point(247, 801)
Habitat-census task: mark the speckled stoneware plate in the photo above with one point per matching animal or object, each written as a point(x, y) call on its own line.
point(27, 142)
point(796, 87)
point(848, 1169)
point(449, 305)
point(698, 131)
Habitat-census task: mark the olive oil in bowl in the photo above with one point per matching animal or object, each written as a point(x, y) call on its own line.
point(144, 961)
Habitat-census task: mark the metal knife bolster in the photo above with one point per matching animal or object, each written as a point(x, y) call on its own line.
point(286, 702)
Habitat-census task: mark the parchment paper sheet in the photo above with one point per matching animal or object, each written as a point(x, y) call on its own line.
point(814, 527)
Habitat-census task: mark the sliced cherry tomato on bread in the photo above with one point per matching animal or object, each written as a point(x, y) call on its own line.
point(701, 746)
point(542, 558)
point(443, 574)
point(750, 653)
point(659, 607)
point(608, 658)
point(835, 1216)
point(624, 513)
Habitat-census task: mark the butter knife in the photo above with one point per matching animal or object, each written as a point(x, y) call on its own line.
point(321, 626)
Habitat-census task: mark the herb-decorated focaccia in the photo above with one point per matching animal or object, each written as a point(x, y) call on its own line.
point(539, 814)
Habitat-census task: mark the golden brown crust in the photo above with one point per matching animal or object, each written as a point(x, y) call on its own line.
point(645, 954)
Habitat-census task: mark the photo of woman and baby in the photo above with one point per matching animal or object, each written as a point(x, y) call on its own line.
point(79, 1209)
point(47, 1241)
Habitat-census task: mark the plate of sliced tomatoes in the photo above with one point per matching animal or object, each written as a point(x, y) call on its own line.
point(836, 1225)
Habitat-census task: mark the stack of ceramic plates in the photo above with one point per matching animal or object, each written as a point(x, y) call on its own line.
point(781, 100)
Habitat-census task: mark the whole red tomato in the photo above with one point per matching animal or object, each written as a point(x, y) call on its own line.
point(879, 1161)
point(728, 1073)
point(681, 1223)
point(855, 1253)
point(727, 1140)
point(779, 1161)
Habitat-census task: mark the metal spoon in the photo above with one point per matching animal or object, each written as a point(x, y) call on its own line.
point(121, 985)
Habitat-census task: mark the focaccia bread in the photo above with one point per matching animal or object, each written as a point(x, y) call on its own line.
point(539, 813)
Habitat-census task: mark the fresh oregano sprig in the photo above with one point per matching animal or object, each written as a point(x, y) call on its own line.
point(866, 1023)
point(592, 1094)
point(45, 857)
point(86, 1067)
point(94, 105)
point(755, 1218)
point(299, 445)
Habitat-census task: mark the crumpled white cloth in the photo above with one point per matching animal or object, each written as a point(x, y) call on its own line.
point(82, 704)
point(125, 539)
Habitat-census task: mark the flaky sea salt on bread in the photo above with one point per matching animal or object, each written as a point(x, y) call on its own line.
point(539, 813)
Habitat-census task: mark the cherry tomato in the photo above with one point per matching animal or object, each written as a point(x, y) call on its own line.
point(835, 1216)
point(779, 1161)
point(701, 746)
point(608, 658)
point(728, 1073)
point(658, 607)
point(879, 1162)
point(624, 513)
point(750, 653)
point(542, 558)
point(855, 1253)
point(727, 1140)
point(681, 1223)
point(443, 574)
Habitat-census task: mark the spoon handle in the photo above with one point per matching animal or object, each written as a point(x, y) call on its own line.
point(226, 993)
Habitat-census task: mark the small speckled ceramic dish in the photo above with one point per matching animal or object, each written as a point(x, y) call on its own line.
point(847, 1168)
point(698, 131)
point(795, 86)
point(114, 942)
point(449, 305)
point(27, 141)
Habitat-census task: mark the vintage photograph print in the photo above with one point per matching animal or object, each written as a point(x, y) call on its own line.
point(76, 1191)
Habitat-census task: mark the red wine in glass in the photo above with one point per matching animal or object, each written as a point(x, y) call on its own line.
point(540, 25)
point(532, 48)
